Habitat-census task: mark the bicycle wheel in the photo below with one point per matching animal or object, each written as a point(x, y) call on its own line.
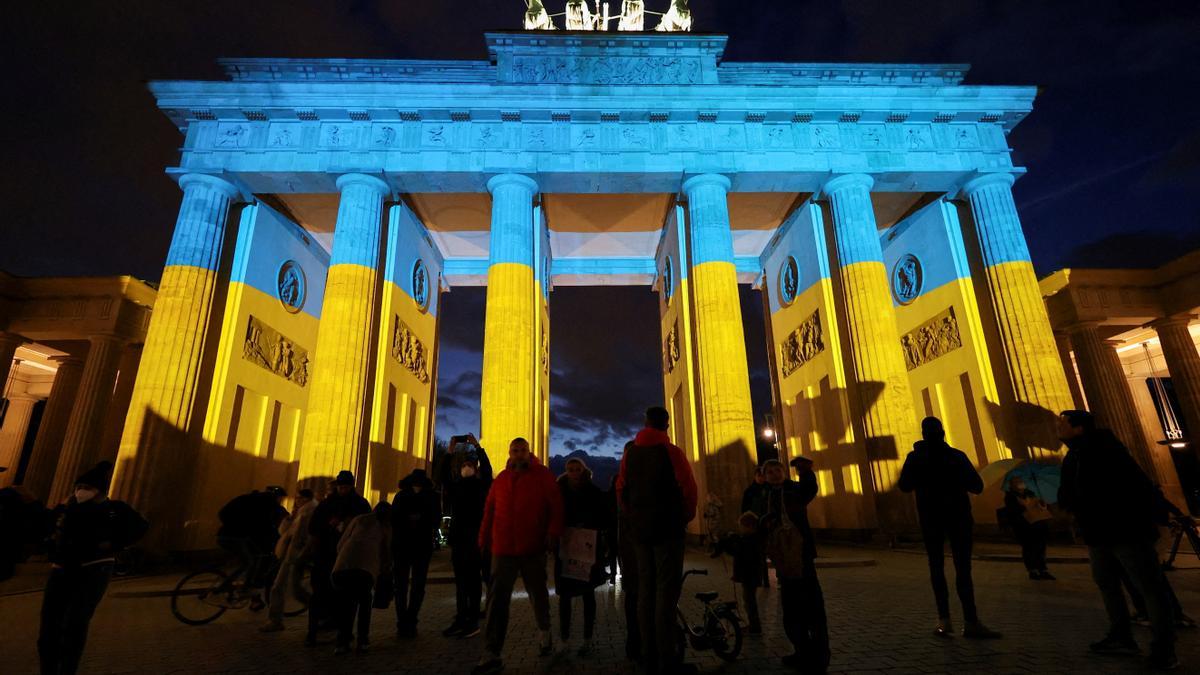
point(724, 634)
point(200, 597)
point(300, 593)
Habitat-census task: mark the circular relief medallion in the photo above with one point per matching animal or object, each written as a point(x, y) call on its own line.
point(668, 275)
point(291, 286)
point(420, 284)
point(907, 279)
point(789, 280)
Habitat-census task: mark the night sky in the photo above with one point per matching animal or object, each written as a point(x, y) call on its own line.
point(1112, 147)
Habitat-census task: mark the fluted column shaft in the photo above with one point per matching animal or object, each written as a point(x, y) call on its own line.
point(1183, 362)
point(12, 435)
point(1108, 396)
point(39, 473)
point(80, 447)
point(1035, 371)
point(8, 347)
point(889, 419)
point(726, 416)
point(154, 461)
point(335, 423)
point(1063, 342)
point(509, 395)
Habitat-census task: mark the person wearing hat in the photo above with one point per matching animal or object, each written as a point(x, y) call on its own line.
point(250, 529)
point(290, 550)
point(416, 515)
point(329, 520)
point(89, 530)
point(466, 492)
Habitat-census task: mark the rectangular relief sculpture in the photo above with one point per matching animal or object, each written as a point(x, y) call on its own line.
point(934, 338)
point(268, 348)
point(802, 345)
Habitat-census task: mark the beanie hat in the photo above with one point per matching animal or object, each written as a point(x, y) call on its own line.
point(98, 476)
point(344, 478)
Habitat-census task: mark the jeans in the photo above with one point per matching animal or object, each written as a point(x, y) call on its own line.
point(589, 615)
point(408, 603)
point(627, 554)
point(505, 569)
point(935, 534)
point(1140, 562)
point(1032, 538)
point(468, 583)
point(804, 620)
point(354, 600)
point(323, 603)
point(68, 604)
point(660, 580)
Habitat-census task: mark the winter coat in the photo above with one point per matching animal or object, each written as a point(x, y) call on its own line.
point(366, 545)
point(754, 498)
point(1104, 488)
point(93, 532)
point(330, 519)
point(941, 476)
point(793, 498)
point(522, 509)
point(415, 518)
point(749, 556)
point(255, 516)
point(583, 507)
point(656, 488)
point(294, 537)
point(466, 504)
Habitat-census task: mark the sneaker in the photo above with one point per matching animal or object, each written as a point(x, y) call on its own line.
point(256, 603)
point(1046, 576)
point(1185, 621)
point(1035, 575)
point(1164, 661)
point(341, 650)
point(362, 648)
point(469, 632)
point(488, 664)
point(455, 630)
point(977, 631)
point(545, 644)
point(1140, 619)
point(944, 628)
point(271, 627)
point(1116, 646)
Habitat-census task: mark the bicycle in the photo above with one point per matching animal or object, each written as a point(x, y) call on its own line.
point(1181, 527)
point(720, 629)
point(202, 596)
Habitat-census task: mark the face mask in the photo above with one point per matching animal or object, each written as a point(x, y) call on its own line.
point(467, 471)
point(82, 495)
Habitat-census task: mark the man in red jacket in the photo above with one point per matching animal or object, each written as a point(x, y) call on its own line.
point(656, 493)
point(522, 520)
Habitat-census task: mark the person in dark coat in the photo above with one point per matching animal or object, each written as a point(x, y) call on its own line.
point(416, 515)
point(465, 492)
point(943, 477)
point(24, 521)
point(1115, 508)
point(748, 550)
point(584, 508)
point(754, 501)
point(250, 529)
point(1029, 519)
point(329, 520)
point(801, 599)
point(89, 531)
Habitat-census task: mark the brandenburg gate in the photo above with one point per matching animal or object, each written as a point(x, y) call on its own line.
point(328, 204)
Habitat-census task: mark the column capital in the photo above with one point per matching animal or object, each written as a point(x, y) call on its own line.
point(67, 360)
point(847, 180)
point(979, 182)
point(499, 181)
point(706, 179)
point(211, 182)
point(375, 183)
point(1174, 321)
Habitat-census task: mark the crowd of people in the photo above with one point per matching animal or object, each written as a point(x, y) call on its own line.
point(525, 521)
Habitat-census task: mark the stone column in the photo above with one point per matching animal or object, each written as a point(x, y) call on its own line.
point(155, 459)
point(726, 416)
point(12, 435)
point(1063, 342)
point(509, 395)
point(8, 347)
point(39, 473)
point(1107, 389)
point(1038, 382)
point(339, 398)
point(1183, 362)
point(114, 423)
point(80, 446)
point(890, 421)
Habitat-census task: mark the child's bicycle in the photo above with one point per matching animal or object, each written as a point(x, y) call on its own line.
point(720, 629)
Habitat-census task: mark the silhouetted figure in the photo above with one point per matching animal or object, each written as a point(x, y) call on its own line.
point(792, 548)
point(466, 494)
point(1030, 519)
point(363, 558)
point(416, 515)
point(1115, 507)
point(754, 499)
point(291, 550)
point(250, 529)
point(657, 495)
point(329, 521)
point(748, 550)
point(585, 511)
point(89, 531)
point(627, 557)
point(24, 521)
point(522, 521)
point(942, 477)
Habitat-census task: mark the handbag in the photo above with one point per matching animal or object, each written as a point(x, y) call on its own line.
point(1036, 511)
point(785, 547)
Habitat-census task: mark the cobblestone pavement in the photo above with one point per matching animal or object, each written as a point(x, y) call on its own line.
point(880, 619)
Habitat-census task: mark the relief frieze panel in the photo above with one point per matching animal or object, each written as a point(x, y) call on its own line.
point(671, 352)
point(267, 348)
point(934, 338)
point(605, 70)
point(802, 345)
point(409, 351)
